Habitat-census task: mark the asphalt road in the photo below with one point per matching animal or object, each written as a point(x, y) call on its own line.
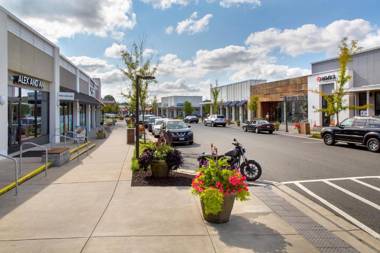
point(291, 160)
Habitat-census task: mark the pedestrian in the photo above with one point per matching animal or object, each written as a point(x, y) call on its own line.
point(267, 116)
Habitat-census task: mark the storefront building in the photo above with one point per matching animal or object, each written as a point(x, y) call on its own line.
point(172, 106)
point(233, 100)
point(362, 89)
point(282, 100)
point(42, 94)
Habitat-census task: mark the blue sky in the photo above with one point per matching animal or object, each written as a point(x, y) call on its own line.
point(197, 42)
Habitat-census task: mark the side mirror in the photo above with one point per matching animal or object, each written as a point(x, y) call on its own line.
point(341, 126)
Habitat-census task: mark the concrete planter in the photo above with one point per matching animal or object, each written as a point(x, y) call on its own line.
point(159, 169)
point(130, 135)
point(225, 214)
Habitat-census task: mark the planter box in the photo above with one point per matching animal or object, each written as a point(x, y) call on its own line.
point(305, 128)
point(130, 135)
point(58, 156)
point(159, 169)
point(225, 214)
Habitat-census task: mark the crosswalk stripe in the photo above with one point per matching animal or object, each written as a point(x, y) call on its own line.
point(329, 179)
point(366, 184)
point(354, 195)
point(339, 211)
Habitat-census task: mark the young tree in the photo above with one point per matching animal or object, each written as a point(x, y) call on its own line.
point(188, 108)
point(155, 105)
point(215, 95)
point(335, 101)
point(253, 104)
point(136, 64)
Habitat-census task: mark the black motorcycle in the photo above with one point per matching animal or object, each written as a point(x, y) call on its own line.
point(237, 160)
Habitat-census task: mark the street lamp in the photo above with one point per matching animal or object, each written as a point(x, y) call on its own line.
point(137, 133)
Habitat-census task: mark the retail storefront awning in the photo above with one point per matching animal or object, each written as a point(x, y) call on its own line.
point(241, 103)
point(365, 88)
point(234, 103)
point(82, 98)
point(227, 103)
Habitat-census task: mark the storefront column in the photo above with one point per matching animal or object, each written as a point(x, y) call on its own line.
point(3, 84)
point(241, 114)
point(94, 125)
point(371, 101)
point(227, 113)
point(175, 113)
point(233, 113)
point(88, 115)
point(76, 110)
point(54, 102)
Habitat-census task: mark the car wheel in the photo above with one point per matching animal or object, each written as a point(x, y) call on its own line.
point(191, 142)
point(270, 132)
point(224, 125)
point(329, 139)
point(373, 145)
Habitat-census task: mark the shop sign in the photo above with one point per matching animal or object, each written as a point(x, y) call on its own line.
point(68, 96)
point(326, 78)
point(28, 81)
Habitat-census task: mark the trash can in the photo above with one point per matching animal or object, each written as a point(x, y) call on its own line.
point(305, 128)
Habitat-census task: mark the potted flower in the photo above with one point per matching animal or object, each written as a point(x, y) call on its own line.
point(101, 134)
point(161, 159)
point(277, 126)
point(218, 186)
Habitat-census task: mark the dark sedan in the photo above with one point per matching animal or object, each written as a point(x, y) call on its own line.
point(258, 126)
point(356, 130)
point(191, 119)
point(177, 132)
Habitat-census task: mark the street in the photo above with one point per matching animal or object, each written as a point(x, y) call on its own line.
point(290, 160)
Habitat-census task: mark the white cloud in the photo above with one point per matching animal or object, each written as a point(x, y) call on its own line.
point(149, 53)
point(100, 18)
point(310, 38)
point(165, 4)
point(114, 51)
point(191, 25)
point(236, 3)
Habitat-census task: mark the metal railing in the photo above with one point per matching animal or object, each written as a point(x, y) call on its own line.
point(36, 147)
point(16, 173)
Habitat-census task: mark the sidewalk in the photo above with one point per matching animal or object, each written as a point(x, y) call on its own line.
point(89, 206)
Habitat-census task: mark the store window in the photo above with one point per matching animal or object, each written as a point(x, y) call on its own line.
point(82, 115)
point(66, 117)
point(28, 117)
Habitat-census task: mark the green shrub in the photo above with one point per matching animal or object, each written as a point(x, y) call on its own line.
point(212, 200)
point(135, 165)
point(316, 135)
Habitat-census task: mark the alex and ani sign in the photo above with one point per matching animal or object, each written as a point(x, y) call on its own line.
point(28, 81)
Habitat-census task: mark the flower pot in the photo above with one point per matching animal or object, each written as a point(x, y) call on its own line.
point(159, 169)
point(224, 215)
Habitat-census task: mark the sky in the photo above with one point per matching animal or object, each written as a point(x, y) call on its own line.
point(196, 43)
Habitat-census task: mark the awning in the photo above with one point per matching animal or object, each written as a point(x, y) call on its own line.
point(234, 103)
point(364, 88)
point(82, 98)
point(241, 103)
point(227, 103)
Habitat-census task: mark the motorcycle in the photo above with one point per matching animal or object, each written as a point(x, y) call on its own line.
point(236, 159)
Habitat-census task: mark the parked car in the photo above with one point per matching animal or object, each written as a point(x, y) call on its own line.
point(356, 130)
point(258, 126)
point(215, 120)
point(191, 119)
point(177, 132)
point(151, 121)
point(157, 127)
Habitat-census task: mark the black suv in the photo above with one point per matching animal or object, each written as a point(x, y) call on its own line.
point(356, 130)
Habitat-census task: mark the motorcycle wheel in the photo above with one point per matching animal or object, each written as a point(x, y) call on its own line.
point(251, 170)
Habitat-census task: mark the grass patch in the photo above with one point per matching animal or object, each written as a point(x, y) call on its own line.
point(316, 135)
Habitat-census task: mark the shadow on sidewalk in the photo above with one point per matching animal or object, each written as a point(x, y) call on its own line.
point(9, 201)
point(240, 232)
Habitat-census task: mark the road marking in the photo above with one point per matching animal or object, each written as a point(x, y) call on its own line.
point(354, 195)
point(366, 184)
point(328, 179)
point(339, 211)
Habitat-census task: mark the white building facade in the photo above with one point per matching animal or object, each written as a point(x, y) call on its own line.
point(42, 94)
point(172, 106)
point(362, 89)
point(233, 100)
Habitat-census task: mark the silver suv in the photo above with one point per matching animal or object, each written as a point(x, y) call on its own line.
point(215, 120)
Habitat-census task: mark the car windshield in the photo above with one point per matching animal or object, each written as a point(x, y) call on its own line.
point(262, 122)
point(158, 122)
point(175, 125)
point(220, 117)
point(152, 119)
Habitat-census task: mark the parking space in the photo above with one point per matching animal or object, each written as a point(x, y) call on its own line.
point(357, 199)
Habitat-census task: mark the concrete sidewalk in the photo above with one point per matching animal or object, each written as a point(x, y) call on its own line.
point(89, 206)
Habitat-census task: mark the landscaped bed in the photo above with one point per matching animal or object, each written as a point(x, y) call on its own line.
point(144, 178)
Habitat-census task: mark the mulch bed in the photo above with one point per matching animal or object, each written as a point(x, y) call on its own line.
point(144, 178)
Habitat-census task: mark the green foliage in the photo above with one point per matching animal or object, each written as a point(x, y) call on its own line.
point(206, 109)
point(111, 108)
point(188, 108)
point(155, 105)
point(335, 101)
point(277, 125)
point(109, 98)
point(215, 95)
point(212, 200)
point(253, 104)
point(135, 165)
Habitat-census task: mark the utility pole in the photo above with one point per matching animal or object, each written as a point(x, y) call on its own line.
point(137, 133)
point(286, 115)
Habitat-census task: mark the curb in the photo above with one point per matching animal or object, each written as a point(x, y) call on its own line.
point(81, 152)
point(71, 151)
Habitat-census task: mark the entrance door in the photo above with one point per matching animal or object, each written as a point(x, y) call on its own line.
point(14, 125)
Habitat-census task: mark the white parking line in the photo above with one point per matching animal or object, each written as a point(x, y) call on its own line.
point(365, 184)
point(354, 195)
point(339, 211)
point(328, 179)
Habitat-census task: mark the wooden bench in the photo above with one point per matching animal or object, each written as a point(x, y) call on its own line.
point(58, 156)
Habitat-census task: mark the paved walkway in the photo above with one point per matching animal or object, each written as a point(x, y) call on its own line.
point(89, 206)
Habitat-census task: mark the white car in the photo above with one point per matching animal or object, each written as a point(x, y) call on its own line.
point(157, 127)
point(215, 120)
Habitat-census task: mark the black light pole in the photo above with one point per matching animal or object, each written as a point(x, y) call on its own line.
point(138, 77)
point(286, 115)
